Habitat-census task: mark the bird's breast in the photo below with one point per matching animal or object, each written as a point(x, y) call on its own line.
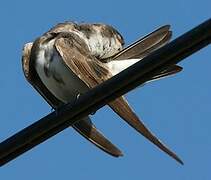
point(56, 76)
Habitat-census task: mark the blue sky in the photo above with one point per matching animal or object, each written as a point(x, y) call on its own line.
point(177, 109)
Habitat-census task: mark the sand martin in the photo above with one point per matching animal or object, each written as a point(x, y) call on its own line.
point(72, 58)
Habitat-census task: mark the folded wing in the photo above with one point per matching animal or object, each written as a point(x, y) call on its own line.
point(142, 48)
point(87, 129)
point(146, 45)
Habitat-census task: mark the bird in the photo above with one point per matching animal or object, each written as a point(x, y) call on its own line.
point(72, 58)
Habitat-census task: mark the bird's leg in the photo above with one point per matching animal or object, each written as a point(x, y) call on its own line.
point(52, 109)
point(56, 109)
point(93, 112)
point(78, 96)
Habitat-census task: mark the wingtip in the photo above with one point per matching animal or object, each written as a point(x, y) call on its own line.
point(178, 160)
point(113, 151)
point(117, 154)
point(130, 117)
point(175, 157)
point(164, 28)
point(86, 128)
point(167, 37)
point(179, 68)
point(170, 33)
point(181, 162)
point(167, 26)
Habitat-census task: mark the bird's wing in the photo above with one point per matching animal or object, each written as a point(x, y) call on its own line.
point(146, 45)
point(171, 70)
point(85, 126)
point(93, 72)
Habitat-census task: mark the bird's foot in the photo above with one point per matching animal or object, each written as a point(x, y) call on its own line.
point(78, 96)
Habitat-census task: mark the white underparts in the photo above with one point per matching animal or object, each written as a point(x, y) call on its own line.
point(59, 79)
point(119, 65)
